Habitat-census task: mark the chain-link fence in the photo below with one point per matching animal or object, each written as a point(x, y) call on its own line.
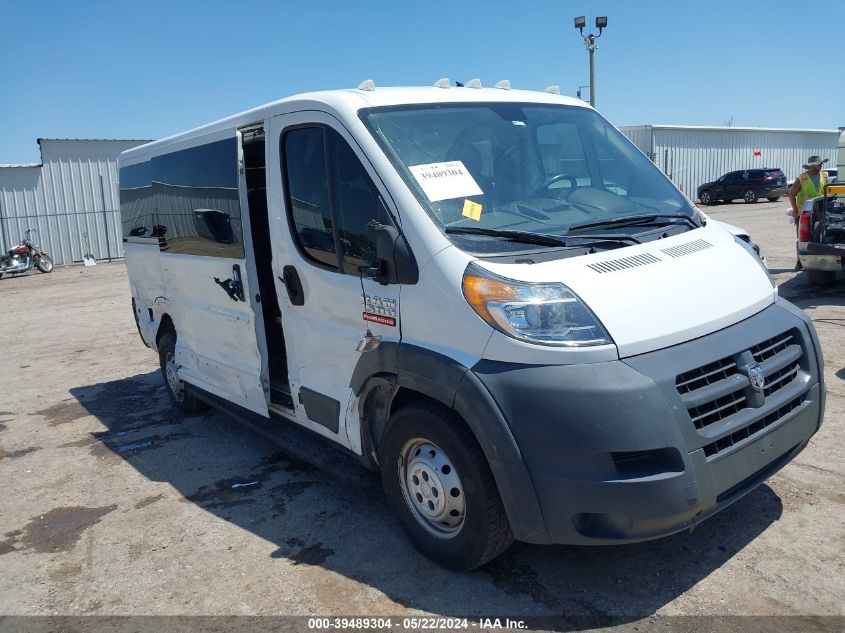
point(68, 236)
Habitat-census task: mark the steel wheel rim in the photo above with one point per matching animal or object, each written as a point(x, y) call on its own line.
point(705, 198)
point(177, 387)
point(749, 196)
point(432, 488)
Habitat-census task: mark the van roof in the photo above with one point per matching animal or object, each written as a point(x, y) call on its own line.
point(347, 102)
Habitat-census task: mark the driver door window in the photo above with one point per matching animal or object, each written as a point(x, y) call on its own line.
point(331, 199)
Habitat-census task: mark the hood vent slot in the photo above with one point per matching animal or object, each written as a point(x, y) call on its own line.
point(687, 249)
point(612, 265)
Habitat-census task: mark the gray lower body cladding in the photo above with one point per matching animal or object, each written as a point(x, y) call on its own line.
point(650, 445)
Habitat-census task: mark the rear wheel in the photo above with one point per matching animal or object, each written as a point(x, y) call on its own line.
point(821, 277)
point(44, 263)
point(705, 197)
point(175, 386)
point(750, 196)
point(439, 484)
point(773, 198)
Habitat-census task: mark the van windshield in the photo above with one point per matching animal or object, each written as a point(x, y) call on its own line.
point(520, 167)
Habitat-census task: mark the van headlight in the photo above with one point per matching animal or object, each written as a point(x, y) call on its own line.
point(542, 313)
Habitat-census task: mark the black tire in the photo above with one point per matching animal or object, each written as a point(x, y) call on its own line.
point(706, 198)
point(750, 196)
point(483, 532)
point(180, 399)
point(821, 277)
point(772, 198)
point(44, 263)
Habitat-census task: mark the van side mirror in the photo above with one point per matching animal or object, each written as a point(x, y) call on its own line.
point(395, 264)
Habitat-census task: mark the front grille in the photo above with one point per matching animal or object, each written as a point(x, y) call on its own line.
point(772, 347)
point(752, 429)
point(706, 375)
point(781, 378)
point(718, 409)
point(720, 390)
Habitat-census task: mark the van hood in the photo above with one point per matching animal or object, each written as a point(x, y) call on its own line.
point(661, 293)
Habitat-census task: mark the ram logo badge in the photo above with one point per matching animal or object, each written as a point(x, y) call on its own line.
point(757, 377)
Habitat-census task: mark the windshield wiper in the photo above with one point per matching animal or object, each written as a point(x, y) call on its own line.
point(538, 238)
point(635, 220)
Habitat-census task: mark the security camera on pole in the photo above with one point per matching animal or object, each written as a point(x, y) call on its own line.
point(590, 43)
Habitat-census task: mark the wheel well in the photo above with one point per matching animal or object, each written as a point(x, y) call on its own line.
point(165, 326)
point(381, 402)
point(405, 396)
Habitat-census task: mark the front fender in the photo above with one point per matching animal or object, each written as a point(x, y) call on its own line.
point(450, 383)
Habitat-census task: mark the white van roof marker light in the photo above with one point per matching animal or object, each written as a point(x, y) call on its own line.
point(473, 83)
point(503, 85)
point(553, 90)
point(368, 84)
point(443, 83)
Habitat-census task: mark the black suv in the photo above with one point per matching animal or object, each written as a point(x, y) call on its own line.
point(748, 184)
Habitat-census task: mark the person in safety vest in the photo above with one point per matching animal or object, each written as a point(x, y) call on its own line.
point(808, 185)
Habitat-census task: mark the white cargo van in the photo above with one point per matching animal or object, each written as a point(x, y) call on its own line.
point(488, 295)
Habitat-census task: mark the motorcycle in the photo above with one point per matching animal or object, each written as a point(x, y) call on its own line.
point(24, 256)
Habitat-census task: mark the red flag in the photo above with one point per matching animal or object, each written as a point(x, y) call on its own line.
point(758, 153)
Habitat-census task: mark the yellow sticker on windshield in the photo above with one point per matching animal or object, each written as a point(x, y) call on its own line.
point(472, 210)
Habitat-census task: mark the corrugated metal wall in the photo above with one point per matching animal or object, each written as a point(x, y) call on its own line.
point(640, 136)
point(693, 156)
point(72, 194)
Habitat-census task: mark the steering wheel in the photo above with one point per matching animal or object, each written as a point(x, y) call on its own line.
point(546, 186)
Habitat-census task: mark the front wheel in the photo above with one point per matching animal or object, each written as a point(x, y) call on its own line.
point(438, 482)
point(705, 197)
point(750, 196)
point(44, 263)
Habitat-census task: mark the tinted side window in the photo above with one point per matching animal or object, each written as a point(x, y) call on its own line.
point(187, 199)
point(331, 199)
point(308, 193)
point(356, 203)
point(136, 200)
point(199, 212)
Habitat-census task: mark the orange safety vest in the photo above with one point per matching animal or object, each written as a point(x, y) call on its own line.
point(808, 189)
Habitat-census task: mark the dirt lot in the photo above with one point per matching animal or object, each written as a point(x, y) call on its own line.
point(112, 503)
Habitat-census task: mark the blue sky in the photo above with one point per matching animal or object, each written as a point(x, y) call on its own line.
point(148, 69)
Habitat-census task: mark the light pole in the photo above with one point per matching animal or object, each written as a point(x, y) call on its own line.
point(590, 44)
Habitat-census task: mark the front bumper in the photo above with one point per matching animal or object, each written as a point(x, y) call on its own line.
point(618, 452)
point(815, 256)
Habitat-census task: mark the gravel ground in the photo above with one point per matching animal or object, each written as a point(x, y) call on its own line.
point(114, 504)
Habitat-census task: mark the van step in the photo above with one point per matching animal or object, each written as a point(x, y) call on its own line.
point(297, 441)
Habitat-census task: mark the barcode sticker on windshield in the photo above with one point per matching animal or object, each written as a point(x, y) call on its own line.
point(444, 181)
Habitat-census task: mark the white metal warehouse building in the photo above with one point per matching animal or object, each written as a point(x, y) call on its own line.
point(71, 194)
point(693, 155)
